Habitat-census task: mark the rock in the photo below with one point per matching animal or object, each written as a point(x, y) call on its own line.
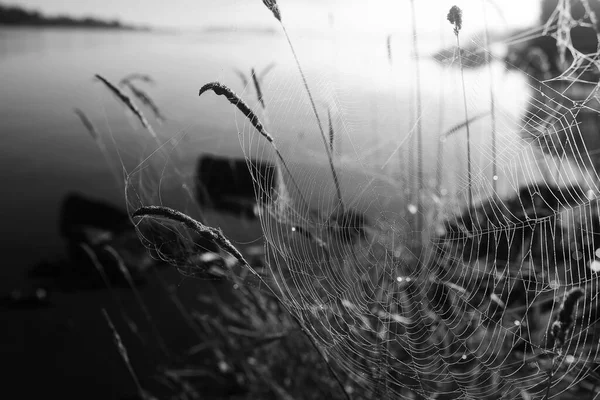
point(227, 184)
point(86, 220)
point(94, 232)
point(498, 229)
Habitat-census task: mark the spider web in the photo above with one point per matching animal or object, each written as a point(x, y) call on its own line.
point(408, 289)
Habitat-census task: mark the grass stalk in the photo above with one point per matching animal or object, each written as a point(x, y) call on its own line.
point(560, 329)
point(259, 94)
point(146, 100)
point(123, 353)
point(388, 45)
point(415, 45)
point(100, 268)
point(139, 299)
point(492, 98)
point(319, 124)
point(126, 100)
point(331, 131)
point(441, 139)
point(274, 8)
point(455, 18)
point(93, 131)
point(407, 165)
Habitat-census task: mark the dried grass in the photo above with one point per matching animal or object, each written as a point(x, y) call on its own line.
point(126, 100)
point(146, 100)
point(125, 357)
point(455, 18)
point(136, 76)
point(272, 6)
point(142, 304)
point(259, 94)
point(88, 124)
point(222, 90)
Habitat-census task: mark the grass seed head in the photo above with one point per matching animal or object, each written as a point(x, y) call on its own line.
point(331, 132)
point(564, 319)
point(272, 5)
point(389, 48)
point(222, 90)
point(136, 77)
point(87, 123)
point(256, 82)
point(145, 99)
point(455, 18)
point(126, 100)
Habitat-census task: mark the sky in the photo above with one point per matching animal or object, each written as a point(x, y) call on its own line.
point(358, 15)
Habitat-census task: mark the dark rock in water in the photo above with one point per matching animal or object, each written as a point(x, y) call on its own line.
point(100, 236)
point(232, 186)
point(84, 219)
point(499, 229)
point(90, 228)
point(348, 226)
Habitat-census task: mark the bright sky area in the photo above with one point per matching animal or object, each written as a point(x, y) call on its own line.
point(357, 15)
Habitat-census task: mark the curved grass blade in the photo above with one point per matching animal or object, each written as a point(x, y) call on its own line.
point(265, 71)
point(257, 87)
point(145, 99)
point(222, 90)
point(463, 124)
point(88, 124)
point(126, 100)
point(242, 76)
point(137, 77)
point(389, 48)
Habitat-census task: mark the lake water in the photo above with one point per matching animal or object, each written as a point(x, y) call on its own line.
point(46, 152)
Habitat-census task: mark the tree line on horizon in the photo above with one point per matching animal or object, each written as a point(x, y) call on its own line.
point(14, 15)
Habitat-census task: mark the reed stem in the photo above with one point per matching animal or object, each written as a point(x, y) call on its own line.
point(320, 125)
point(441, 139)
point(492, 100)
point(469, 168)
point(419, 127)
